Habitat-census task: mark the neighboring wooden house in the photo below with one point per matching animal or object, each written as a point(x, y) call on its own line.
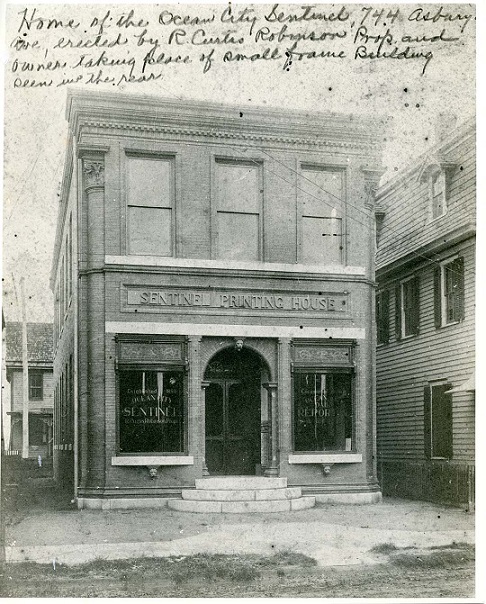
point(425, 324)
point(41, 398)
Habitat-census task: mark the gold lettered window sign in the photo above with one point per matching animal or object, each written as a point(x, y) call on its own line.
point(150, 352)
point(322, 355)
point(153, 299)
point(151, 412)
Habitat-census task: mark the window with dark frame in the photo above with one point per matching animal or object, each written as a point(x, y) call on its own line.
point(383, 316)
point(238, 210)
point(407, 307)
point(449, 292)
point(438, 440)
point(150, 211)
point(322, 195)
point(322, 410)
point(35, 386)
point(151, 411)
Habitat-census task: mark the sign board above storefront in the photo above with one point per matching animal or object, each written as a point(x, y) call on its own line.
point(256, 300)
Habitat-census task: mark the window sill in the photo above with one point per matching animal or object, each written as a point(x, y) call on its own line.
point(449, 324)
point(220, 264)
point(432, 220)
point(409, 337)
point(324, 458)
point(153, 460)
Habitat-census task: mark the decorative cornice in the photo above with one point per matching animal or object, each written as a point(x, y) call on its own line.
point(431, 164)
point(207, 132)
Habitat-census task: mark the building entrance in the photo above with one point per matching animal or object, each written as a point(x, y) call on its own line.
point(233, 412)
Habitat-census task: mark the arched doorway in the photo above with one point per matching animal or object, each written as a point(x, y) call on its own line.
point(234, 412)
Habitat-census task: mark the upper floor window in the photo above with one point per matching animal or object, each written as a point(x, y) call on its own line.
point(407, 308)
point(238, 210)
point(383, 316)
point(35, 386)
point(322, 194)
point(438, 193)
point(150, 206)
point(449, 292)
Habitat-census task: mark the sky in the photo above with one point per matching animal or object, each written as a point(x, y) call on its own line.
point(36, 134)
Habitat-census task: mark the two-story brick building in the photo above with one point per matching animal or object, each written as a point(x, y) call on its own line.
point(214, 283)
point(425, 316)
point(40, 388)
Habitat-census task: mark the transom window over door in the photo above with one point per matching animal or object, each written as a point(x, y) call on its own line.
point(322, 195)
point(150, 206)
point(238, 210)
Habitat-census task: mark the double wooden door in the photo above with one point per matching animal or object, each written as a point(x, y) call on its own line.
point(233, 426)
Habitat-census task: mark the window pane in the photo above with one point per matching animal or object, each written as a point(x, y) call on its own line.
point(151, 412)
point(237, 188)
point(238, 236)
point(149, 182)
point(321, 240)
point(322, 412)
point(35, 386)
point(322, 191)
point(149, 231)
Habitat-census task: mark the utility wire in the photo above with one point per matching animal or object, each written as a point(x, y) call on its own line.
point(302, 176)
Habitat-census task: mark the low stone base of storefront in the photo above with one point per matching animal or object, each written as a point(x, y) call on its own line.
point(345, 494)
point(121, 503)
point(111, 500)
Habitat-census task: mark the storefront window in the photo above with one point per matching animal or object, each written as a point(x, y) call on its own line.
point(151, 415)
point(323, 415)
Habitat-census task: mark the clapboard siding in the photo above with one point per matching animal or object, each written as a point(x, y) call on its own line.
point(408, 224)
point(445, 354)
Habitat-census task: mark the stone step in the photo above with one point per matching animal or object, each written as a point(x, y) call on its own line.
point(232, 483)
point(241, 507)
point(242, 494)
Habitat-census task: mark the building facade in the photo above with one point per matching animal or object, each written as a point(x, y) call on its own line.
point(425, 324)
point(40, 388)
point(214, 283)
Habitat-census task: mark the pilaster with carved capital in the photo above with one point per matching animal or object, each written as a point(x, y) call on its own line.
point(371, 182)
point(93, 173)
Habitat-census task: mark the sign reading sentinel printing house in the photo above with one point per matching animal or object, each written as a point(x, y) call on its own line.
point(155, 298)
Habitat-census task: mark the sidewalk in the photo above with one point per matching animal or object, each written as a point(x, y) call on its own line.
point(333, 534)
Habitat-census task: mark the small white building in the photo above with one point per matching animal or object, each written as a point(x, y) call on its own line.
point(41, 398)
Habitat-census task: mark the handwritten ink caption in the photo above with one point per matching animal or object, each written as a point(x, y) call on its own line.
point(121, 47)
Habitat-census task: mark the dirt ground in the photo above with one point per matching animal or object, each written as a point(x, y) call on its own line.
point(48, 527)
point(404, 573)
